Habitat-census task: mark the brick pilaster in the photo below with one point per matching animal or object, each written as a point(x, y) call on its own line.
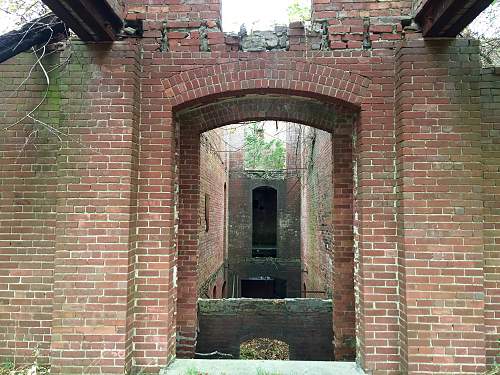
point(440, 207)
point(189, 221)
point(94, 212)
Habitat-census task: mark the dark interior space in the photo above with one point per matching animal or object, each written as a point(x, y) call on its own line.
point(264, 222)
point(267, 287)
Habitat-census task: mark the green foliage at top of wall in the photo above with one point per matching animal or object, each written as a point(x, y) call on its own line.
point(261, 154)
point(299, 11)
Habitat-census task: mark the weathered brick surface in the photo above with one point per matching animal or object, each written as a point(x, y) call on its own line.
point(96, 174)
point(343, 241)
point(327, 226)
point(490, 146)
point(212, 247)
point(440, 215)
point(358, 24)
point(317, 220)
point(241, 264)
point(28, 185)
point(102, 207)
point(286, 265)
point(226, 324)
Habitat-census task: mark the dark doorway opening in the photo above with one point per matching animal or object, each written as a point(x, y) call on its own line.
point(263, 287)
point(264, 222)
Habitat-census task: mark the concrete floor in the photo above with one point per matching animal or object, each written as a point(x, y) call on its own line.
point(243, 367)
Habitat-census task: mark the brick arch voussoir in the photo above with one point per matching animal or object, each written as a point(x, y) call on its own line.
point(301, 78)
point(310, 112)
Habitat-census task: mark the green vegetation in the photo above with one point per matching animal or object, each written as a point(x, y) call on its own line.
point(299, 11)
point(10, 368)
point(261, 154)
point(488, 34)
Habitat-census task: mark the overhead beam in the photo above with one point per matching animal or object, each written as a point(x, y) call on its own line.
point(91, 20)
point(38, 32)
point(447, 18)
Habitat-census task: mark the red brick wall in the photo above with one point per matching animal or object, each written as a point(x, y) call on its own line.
point(440, 214)
point(316, 213)
point(28, 203)
point(354, 23)
point(181, 21)
point(327, 226)
point(343, 240)
point(226, 324)
point(490, 146)
point(201, 253)
point(125, 249)
point(83, 291)
point(95, 213)
point(213, 183)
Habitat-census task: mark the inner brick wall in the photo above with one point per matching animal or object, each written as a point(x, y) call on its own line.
point(241, 264)
point(316, 212)
point(327, 226)
point(226, 324)
point(212, 242)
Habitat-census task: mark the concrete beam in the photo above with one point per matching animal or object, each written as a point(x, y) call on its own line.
point(447, 18)
point(91, 20)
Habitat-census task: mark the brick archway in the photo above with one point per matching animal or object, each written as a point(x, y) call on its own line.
point(255, 107)
point(301, 78)
point(354, 94)
point(286, 95)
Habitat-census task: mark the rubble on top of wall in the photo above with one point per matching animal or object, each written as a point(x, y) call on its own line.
point(280, 39)
point(257, 41)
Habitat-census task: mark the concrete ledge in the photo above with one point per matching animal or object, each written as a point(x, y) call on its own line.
point(240, 367)
point(235, 306)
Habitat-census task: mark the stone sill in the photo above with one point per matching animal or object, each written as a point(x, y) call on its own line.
point(245, 367)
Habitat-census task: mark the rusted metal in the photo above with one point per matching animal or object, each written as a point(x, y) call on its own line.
point(447, 18)
point(91, 20)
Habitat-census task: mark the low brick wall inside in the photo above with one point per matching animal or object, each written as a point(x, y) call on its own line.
point(304, 324)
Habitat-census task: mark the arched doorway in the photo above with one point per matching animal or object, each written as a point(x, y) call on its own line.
point(315, 95)
point(337, 120)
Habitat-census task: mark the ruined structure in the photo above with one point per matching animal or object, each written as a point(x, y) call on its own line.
point(264, 256)
point(100, 180)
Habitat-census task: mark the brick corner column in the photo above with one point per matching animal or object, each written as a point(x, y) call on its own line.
point(95, 202)
point(344, 317)
point(440, 210)
point(189, 201)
